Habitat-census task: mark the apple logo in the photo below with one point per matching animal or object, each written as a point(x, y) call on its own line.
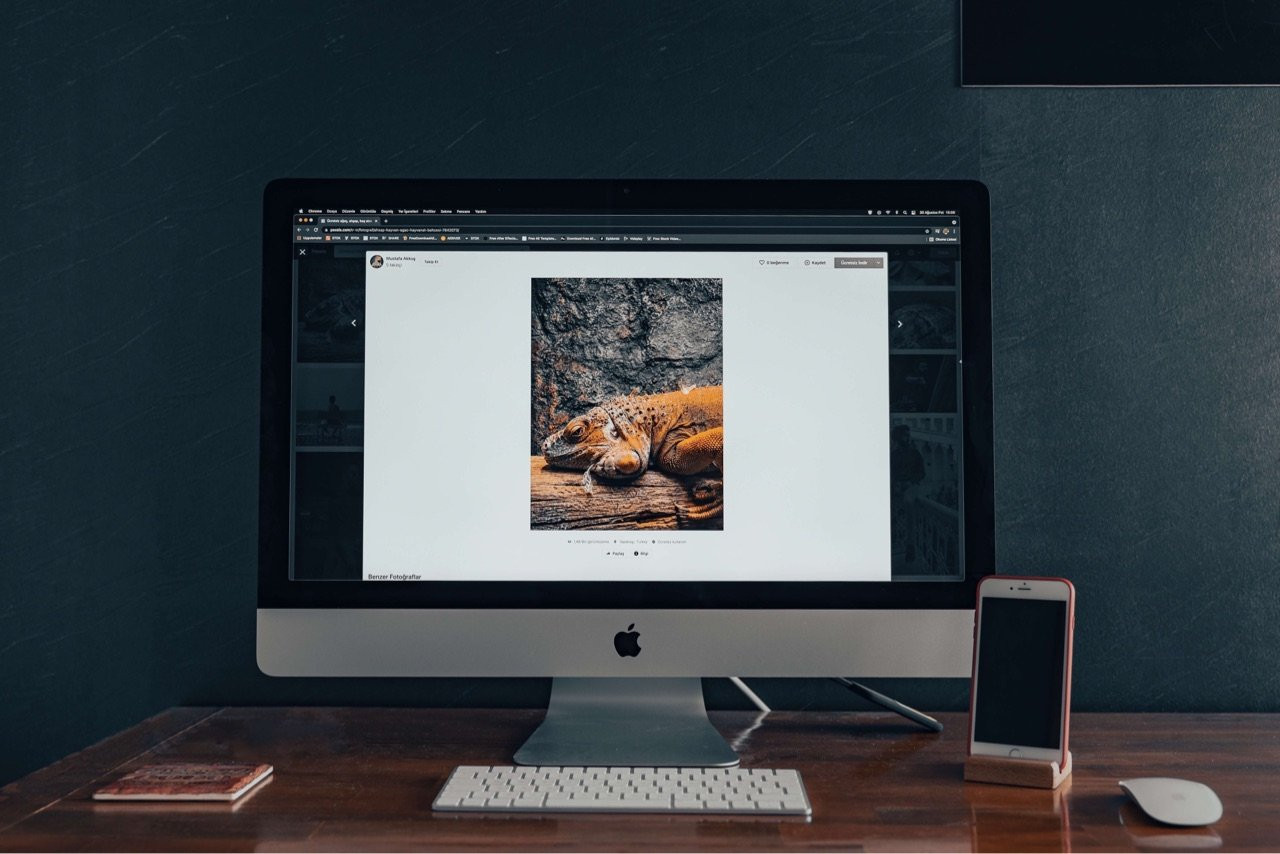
point(627, 643)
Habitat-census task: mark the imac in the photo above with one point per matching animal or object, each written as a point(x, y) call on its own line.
point(625, 434)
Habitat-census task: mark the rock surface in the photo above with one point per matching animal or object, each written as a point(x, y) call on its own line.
point(593, 339)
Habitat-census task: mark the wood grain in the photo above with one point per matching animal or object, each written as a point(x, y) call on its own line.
point(363, 779)
point(1035, 773)
point(34, 791)
point(557, 499)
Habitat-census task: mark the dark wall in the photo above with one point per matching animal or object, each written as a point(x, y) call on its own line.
point(1137, 365)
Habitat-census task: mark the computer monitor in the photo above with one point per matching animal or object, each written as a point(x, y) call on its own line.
point(606, 430)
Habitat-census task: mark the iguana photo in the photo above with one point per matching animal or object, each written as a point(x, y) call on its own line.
point(677, 432)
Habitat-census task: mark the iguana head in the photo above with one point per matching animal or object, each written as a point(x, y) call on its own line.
point(596, 442)
point(582, 442)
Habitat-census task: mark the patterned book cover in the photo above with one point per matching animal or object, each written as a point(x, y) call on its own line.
point(186, 781)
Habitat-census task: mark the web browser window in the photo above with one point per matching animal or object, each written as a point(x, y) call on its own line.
point(671, 397)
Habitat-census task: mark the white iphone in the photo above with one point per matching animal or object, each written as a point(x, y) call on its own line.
point(1020, 697)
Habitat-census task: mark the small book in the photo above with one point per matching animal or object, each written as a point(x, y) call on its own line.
point(185, 781)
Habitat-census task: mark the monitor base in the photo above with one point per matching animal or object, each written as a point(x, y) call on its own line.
point(646, 722)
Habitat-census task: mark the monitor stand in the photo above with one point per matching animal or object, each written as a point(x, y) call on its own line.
point(627, 722)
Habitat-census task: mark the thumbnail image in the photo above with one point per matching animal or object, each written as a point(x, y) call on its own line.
point(924, 267)
point(627, 418)
point(329, 405)
point(924, 500)
point(922, 383)
point(922, 320)
point(331, 310)
point(328, 515)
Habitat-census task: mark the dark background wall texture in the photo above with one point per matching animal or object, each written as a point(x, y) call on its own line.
point(1135, 308)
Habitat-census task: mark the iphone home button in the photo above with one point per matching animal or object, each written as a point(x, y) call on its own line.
point(1015, 754)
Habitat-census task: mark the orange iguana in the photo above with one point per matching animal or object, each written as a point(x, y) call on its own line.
point(678, 432)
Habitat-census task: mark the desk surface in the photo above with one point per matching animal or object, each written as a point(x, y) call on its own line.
point(355, 779)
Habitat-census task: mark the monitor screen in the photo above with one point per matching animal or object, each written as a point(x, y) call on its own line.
point(489, 393)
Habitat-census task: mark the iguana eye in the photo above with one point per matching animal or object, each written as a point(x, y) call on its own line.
point(574, 431)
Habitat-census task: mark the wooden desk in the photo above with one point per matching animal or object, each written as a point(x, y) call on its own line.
point(364, 779)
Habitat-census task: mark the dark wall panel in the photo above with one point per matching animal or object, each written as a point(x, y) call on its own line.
point(1131, 43)
point(1134, 301)
point(1137, 371)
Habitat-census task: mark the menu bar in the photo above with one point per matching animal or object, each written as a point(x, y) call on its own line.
point(623, 229)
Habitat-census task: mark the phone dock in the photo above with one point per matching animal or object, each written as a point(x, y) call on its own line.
point(1035, 773)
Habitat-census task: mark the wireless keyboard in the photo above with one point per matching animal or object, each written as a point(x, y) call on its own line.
point(546, 788)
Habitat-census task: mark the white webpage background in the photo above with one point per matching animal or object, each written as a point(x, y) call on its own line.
point(447, 403)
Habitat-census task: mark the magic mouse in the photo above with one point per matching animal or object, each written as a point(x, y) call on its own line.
point(1172, 801)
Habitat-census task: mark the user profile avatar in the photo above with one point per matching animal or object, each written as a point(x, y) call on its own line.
point(375, 261)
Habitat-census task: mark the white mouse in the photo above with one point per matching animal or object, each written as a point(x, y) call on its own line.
point(1172, 801)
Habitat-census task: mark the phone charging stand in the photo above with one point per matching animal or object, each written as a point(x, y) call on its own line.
point(1036, 773)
